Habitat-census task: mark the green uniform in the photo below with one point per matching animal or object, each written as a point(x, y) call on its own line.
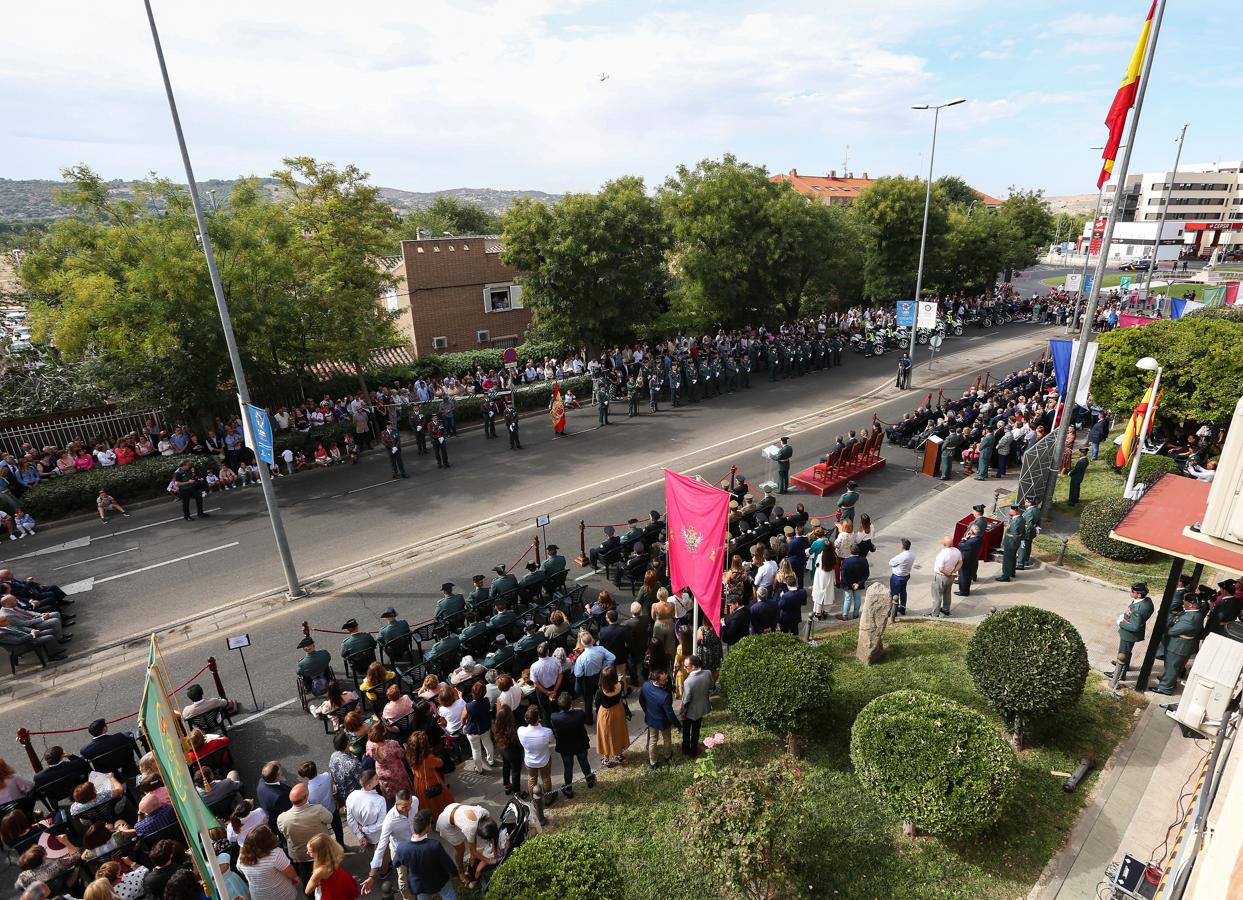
point(783, 468)
point(846, 505)
point(451, 605)
point(533, 582)
point(632, 392)
point(1131, 629)
point(502, 585)
point(986, 455)
point(554, 564)
point(1183, 637)
point(632, 535)
point(602, 406)
point(1077, 471)
point(312, 665)
point(529, 643)
point(1031, 520)
point(395, 631)
point(1016, 531)
point(358, 642)
point(500, 659)
point(478, 595)
point(949, 448)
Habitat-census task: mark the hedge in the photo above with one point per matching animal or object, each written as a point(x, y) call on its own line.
point(1227, 313)
point(1150, 466)
point(1028, 663)
point(139, 480)
point(1098, 519)
point(777, 682)
point(932, 762)
point(438, 365)
point(558, 865)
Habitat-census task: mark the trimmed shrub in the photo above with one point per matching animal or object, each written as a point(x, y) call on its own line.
point(1028, 663)
point(1152, 466)
point(140, 480)
point(306, 440)
point(749, 827)
point(1226, 313)
point(934, 763)
point(777, 682)
point(440, 364)
point(558, 865)
point(1098, 519)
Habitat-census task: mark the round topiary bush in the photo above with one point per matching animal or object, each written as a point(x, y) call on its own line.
point(1152, 466)
point(1097, 520)
point(558, 865)
point(938, 765)
point(1028, 663)
point(777, 682)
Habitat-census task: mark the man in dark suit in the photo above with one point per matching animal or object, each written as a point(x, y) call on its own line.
point(764, 612)
point(615, 638)
point(569, 725)
point(102, 742)
point(969, 547)
point(72, 769)
point(639, 627)
point(272, 793)
point(737, 625)
point(610, 543)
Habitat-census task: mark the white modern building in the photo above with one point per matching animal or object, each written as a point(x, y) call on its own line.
point(1135, 240)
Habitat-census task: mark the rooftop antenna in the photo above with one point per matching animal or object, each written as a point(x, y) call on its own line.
point(846, 163)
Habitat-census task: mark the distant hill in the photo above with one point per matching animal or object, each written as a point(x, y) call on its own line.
point(1073, 204)
point(31, 200)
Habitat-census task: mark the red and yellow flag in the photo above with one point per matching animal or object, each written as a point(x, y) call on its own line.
point(1131, 437)
point(556, 410)
point(1115, 119)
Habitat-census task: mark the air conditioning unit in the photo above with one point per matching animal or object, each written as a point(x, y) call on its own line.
point(1210, 685)
point(440, 343)
point(482, 337)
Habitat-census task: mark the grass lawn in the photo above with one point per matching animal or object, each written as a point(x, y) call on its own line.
point(859, 850)
point(1111, 280)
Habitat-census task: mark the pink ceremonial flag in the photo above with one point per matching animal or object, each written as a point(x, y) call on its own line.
point(697, 519)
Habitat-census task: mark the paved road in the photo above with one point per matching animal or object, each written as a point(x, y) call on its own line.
point(602, 476)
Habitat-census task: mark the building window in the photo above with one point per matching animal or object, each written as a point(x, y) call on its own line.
point(482, 337)
point(390, 299)
point(440, 343)
point(502, 297)
point(502, 342)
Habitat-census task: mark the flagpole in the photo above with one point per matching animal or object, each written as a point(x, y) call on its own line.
point(1089, 313)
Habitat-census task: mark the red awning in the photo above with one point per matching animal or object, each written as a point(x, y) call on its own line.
point(1157, 521)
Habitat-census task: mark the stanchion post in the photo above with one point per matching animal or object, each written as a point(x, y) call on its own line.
point(536, 542)
point(582, 543)
point(215, 676)
point(1061, 553)
point(23, 738)
point(733, 475)
point(306, 629)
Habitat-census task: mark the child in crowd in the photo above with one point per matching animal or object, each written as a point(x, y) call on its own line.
point(248, 473)
point(106, 503)
point(322, 459)
point(228, 478)
point(351, 447)
point(7, 523)
point(300, 461)
point(25, 522)
point(213, 480)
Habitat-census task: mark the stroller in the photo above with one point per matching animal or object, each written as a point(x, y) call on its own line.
point(513, 826)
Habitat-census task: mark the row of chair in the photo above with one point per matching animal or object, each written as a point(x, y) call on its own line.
point(849, 460)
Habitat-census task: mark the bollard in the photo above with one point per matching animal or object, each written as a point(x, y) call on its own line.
point(215, 676)
point(1061, 552)
point(1085, 766)
point(23, 738)
point(733, 474)
point(582, 543)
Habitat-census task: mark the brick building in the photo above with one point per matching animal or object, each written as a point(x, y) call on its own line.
point(455, 294)
point(834, 190)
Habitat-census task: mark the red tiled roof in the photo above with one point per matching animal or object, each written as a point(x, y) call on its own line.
point(833, 187)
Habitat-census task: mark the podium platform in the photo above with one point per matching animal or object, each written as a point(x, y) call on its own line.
point(830, 477)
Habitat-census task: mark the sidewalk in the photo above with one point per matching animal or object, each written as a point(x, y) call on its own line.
point(1134, 800)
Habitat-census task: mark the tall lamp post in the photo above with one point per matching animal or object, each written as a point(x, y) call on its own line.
point(1148, 364)
point(923, 235)
point(1165, 207)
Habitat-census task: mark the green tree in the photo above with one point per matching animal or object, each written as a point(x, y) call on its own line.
point(449, 215)
point(969, 259)
point(1199, 382)
point(593, 265)
point(345, 229)
point(1029, 213)
point(890, 214)
point(558, 865)
point(956, 191)
point(777, 682)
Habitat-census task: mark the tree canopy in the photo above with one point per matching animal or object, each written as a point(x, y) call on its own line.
point(891, 213)
point(449, 215)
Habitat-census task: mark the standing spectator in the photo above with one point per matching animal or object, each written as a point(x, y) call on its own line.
point(298, 824)
point(429, 784)
point(537, 742)
point(328, 876)
point(639, 627)
point(587, 668)
point(695, 704)
point(344, 767)
point(900, 567)
point(790, 605)
point(855, 574)
point(547, 674)
point(272, 792)
point(429, 869)
point(569, 725)
point(365, 810)
point(612, 733)
point(390, 763)
point(398, 828)
point(243, 820)
point(656, 699)
point(508, 748)
point(1098, 433)
point(320, 790)
point(944, 572)
point(822, 584)
point(477, 725)
point(615, 638)
point(969, 547)
point(266, 867)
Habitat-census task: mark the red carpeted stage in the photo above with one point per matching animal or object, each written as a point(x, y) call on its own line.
point(841, 466)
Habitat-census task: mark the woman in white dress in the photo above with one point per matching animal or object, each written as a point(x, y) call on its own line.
point(823, 594)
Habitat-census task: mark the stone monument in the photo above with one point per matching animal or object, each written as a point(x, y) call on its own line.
point(872, 622)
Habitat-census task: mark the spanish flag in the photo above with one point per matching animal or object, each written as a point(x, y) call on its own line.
point(1115, 119)
point(1131, 437)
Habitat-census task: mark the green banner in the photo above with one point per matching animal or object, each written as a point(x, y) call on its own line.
point(1215, 296)
point(155, 717)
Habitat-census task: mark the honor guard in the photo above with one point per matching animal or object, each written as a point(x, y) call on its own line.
point(511, 426)
point(1031, 527)
point(418, 421)
point(602, 402)
point(1016, 532)
point(632, 394)
point(654, 385)
point(744, 370)
point(1131, 627)
point(436, 430)
point(1181, 640)
point(488, 407)
point(675, 382)
point(783, 466)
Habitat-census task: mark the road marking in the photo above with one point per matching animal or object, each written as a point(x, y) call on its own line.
point(263, 712)
point(151, 525)
point(55, 548)
point(94, 559)
point(593, 571)
point(368, 487)
point(167, 562)
point(87, 540)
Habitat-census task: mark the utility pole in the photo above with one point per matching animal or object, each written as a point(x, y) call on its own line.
point(226, 321)
point(1085, 333)
point(1165, 207)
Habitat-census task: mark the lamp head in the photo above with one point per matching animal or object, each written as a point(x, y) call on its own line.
point(920, 106)
point(956, 101)
point(1148, 364)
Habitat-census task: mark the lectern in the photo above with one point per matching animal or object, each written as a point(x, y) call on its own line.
point(932, 457)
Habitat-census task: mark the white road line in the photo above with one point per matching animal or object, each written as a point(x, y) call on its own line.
point(151, 525)
point(55, 548)
point(94, 559)
point(589, 574)
point(167, 562)
point(263, 712)
point(368, 487)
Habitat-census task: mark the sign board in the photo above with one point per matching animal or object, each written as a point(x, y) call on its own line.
point(1124, 282)
point(510, 356)
point(261, 431)
point(906, 313)
point(1073, 282)
point(927, 317)
point(541, 521)
point(1087, 283)
point(935, 341)
point(238, 641)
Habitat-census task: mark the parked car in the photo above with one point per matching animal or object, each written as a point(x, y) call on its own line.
point(1136, 265)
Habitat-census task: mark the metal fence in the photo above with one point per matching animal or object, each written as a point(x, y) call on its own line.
point(60, 430)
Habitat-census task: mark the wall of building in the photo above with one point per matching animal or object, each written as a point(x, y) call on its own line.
point(457, 288)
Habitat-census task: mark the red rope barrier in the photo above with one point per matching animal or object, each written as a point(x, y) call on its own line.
point(520, 558)
point(336, 631)
point(609, 525)
point(184, 685)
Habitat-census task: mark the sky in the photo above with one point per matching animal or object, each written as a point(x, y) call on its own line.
point(563, 95)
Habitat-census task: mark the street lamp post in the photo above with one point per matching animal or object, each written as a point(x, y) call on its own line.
point(226, 321)
point(1148, 364)
point(1165, 207)
point(923, 235)
point(1087, 254)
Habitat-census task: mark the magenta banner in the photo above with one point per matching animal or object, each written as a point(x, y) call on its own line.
point(697, 515)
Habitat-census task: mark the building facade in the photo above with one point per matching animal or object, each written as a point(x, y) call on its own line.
point(455, 294)
point(833, 190)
